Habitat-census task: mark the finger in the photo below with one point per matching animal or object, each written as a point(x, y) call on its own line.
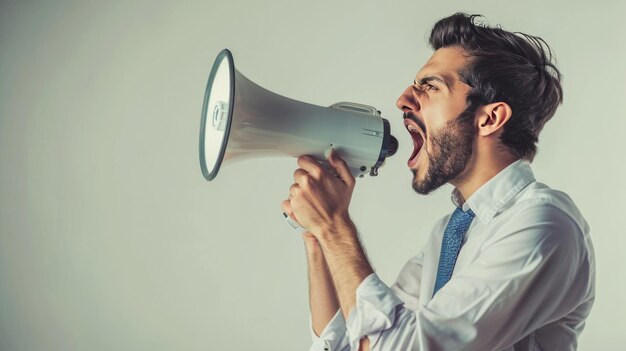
point(294, 190)
point(287, 211)
point(311, 166)
point(286, 207)
point(341, 167)
point(300, 175)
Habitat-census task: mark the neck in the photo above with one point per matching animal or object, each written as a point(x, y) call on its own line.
point(480, 169)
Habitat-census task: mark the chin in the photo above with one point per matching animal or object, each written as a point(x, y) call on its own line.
point(424, 184)
point(418, 183)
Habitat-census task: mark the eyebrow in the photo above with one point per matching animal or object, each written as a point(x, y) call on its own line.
point(441, 79)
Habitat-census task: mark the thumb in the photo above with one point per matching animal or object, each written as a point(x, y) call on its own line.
point(340, 166)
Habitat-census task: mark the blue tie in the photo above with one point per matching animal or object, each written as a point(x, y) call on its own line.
point(451, 245)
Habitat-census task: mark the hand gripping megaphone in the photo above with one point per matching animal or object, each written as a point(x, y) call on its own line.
point(241, 120)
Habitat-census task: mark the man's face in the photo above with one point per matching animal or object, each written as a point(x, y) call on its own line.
point(432, 107)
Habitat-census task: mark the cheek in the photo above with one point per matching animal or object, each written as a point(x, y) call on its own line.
point(440, 119)
point(436, 115)
point(446, 108)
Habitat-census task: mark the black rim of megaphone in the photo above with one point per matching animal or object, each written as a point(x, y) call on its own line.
point(224, 54)
point(384, 150)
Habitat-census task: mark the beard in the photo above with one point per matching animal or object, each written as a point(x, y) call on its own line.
point(451, 151)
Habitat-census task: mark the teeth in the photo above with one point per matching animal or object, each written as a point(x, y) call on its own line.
point(412, 128)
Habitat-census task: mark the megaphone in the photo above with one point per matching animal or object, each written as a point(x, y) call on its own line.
point(241, 120)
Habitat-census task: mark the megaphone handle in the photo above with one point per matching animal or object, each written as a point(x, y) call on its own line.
point(294, 224)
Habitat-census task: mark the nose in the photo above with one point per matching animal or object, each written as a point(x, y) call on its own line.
point(408, 100)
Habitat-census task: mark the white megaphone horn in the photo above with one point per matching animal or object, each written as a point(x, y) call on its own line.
point(243, 120)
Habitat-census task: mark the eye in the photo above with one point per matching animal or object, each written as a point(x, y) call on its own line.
point(424, 86)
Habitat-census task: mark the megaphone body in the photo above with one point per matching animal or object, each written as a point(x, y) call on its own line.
point(241, 120)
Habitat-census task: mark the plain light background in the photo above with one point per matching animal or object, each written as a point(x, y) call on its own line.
point(111, 239)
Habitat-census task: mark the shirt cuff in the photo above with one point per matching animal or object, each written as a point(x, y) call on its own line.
point(375, 311)
point(333, 337)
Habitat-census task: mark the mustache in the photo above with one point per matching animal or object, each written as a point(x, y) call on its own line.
point(412, 117)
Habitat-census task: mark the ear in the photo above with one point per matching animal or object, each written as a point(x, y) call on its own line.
point(493, 117)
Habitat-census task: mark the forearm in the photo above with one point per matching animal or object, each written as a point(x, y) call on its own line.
point(347, 263)
point(322, 296)
point(364, 344)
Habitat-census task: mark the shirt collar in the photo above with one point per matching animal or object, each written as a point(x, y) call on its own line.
point(497, 191)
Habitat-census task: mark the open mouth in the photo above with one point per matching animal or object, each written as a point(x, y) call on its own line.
point(418, 141)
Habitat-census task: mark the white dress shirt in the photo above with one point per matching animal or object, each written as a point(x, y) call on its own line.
point(524, 279)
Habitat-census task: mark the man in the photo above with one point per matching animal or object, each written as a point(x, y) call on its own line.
point(512, 268)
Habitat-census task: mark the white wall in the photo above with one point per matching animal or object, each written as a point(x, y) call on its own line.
point(110, 238)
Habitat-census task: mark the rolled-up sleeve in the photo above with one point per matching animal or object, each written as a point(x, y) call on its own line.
point(379, 301)
point(379, 310)
point(333, 337)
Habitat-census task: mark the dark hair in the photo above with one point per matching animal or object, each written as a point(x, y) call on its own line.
point(504, 66)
